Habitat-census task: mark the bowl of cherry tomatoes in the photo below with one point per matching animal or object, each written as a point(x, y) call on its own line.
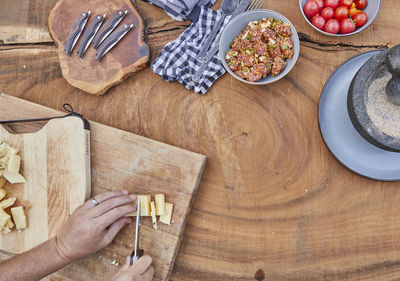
point(340, 17)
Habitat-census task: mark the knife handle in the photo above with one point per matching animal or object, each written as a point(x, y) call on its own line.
point(108, 27)
point(135, 257)
point(75, 32)
point(89, 33)
point(113, 39)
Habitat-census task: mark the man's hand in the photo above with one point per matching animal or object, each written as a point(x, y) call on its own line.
point(91, 228)
point(139, 271)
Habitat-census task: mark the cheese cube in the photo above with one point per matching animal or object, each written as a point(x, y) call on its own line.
point(19, 217)
point(14, 164)
point(4, 218)
point(13, 177)
point(7, 202)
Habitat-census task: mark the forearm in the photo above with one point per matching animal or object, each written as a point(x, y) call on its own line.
point(34, 264)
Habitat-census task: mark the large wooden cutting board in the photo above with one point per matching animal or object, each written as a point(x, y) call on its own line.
point(122, 160)
point(56, 166)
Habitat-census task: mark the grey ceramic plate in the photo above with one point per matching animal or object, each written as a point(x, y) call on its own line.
point(372, 11)
point(238, 24)
point(339, 134)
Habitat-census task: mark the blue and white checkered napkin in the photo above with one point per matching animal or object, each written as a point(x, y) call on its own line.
point(181, 9)
point(178, 60)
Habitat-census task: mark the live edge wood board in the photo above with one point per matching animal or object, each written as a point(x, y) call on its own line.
point(122, 160)
point(127, 57)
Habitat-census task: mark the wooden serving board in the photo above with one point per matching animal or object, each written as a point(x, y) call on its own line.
point(130, 55)
point(122, 160)
point(56, 166)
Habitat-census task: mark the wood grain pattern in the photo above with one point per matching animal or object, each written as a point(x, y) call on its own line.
point(54, 163)
point(124, 160)
point(273, 203)
point(127, 57)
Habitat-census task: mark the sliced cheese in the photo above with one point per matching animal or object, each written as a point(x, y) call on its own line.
point(14, 164)
point(7, 203)
point(19, 217)
point(2, 193)
point(13, 177)
point(166, 218)
point(160, 204)
point(153, 214)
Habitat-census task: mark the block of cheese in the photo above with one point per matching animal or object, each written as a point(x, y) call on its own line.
point(160, 204)
point(144, 206)
point(166, 218)
point(19, 217)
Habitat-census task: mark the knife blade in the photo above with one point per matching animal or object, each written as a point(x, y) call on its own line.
point(137, 252)
point(75, 32)
point(112, 40)
point(108, 27)
point(89, 34)
point(240, 9)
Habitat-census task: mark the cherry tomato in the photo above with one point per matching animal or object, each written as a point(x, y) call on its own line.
point(332, 26)
point(347, 26)
point(353, 10)
point(332, 3)
point(321, 4)
point(341, 13)
point(311, 8)
point(360, 18)
point(346, 3)
point(328, 13)
point(319, 22)
point(361, 4)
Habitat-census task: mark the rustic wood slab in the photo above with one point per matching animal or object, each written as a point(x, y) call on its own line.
point(130, 55)
point(56, 166)
point(122, 160)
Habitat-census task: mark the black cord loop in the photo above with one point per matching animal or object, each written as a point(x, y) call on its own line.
point(66, 106)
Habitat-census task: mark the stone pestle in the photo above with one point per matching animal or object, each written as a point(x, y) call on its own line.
point(393, 65)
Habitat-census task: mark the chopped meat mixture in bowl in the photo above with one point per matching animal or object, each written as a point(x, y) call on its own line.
point(262, 50)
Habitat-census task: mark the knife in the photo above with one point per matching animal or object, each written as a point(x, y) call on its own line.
point(112, 40)
point(137, 252)
point(75, 32)
point(89, 34)
point(240, 9)
point(108, 27)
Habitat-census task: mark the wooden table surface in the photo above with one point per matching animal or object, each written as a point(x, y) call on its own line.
point(273, 203)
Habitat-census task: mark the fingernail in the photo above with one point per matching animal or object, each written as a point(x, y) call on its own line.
point(125, 192)
point(132, 196)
